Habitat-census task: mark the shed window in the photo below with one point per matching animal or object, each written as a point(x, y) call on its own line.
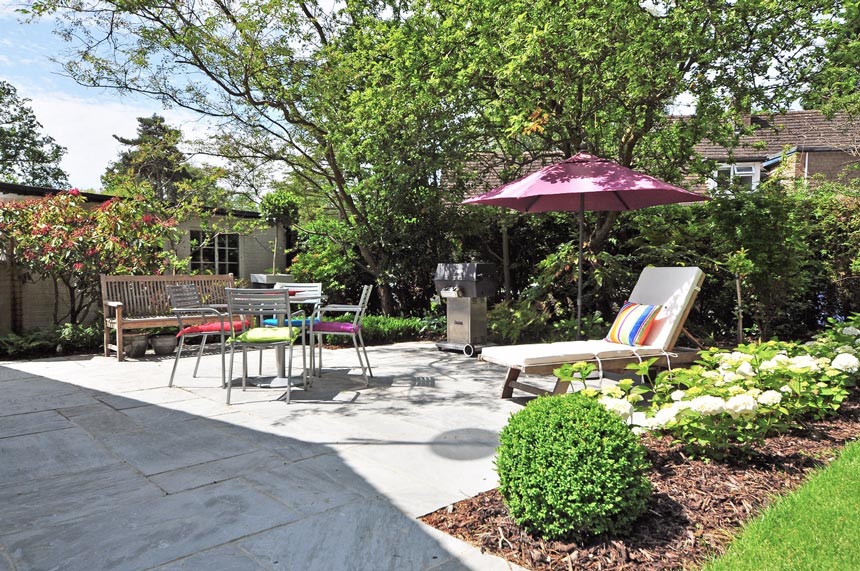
point(214, 253)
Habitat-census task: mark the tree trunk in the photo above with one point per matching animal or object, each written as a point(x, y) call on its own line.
point(386, 299)
point(740, 310)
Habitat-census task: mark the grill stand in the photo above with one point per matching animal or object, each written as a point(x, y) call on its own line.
point(467, 325)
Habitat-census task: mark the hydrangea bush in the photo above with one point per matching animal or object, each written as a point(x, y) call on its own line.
point(737, 398)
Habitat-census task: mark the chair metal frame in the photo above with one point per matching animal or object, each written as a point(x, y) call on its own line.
point(253, 306)
point(359, 309)
point(186, 302)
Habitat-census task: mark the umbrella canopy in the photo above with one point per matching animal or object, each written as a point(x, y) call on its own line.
point(584, 182)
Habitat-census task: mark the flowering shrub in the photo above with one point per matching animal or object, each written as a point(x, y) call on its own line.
point(58, 238)
point(739, 397)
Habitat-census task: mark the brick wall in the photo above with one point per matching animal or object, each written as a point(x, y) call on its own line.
point(831, 164)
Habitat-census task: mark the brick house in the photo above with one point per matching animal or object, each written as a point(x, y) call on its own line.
point(242, 255)
point(806, 142)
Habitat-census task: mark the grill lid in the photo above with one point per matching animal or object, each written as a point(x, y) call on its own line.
point(473, 279)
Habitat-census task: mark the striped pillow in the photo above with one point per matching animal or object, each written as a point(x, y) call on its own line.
point(633, 323)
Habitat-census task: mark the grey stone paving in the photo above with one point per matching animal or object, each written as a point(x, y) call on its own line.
point(104, 467)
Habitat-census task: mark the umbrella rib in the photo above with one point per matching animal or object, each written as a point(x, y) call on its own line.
point(532, 203)
point(621, 199)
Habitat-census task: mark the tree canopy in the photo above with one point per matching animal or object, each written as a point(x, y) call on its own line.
point(380, 109)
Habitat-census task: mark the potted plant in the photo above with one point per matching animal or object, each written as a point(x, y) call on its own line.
point(162, 340)
point(135, 344)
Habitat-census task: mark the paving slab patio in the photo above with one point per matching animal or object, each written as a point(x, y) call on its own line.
point(104, 467)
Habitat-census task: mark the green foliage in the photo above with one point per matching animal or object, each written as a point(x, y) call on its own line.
point(152, 156)
point(382, 330)
point(58, 238)
point(323, 258)
point(26, 155)
point(80, 338)
point(836, 85)
point(734, 399)
point(570, 469)
point(67, 338)
point(34, 343)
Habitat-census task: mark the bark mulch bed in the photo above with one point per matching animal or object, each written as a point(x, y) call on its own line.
point(696, 507)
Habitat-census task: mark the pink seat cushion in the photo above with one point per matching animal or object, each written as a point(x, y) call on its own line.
point(335, 327)
point(212, 327)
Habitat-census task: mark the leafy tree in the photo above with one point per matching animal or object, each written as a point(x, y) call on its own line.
point(153, 156)
point(548, 79)
point(280, 208)
point(26, 155)
point(836, 86)
point(306, 95)
point(369, 103)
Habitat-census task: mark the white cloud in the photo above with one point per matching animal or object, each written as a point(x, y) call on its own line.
point(86, 125)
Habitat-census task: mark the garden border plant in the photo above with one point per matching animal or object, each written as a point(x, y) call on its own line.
point(732, 400)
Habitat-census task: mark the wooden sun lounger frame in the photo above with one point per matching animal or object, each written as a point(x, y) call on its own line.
point(672, 357)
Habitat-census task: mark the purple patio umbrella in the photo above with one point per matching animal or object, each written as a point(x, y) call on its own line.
point(584, 182)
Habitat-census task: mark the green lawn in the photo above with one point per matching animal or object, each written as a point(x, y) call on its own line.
point(817, 528)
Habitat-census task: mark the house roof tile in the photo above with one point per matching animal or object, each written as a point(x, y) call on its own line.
point(806, 130)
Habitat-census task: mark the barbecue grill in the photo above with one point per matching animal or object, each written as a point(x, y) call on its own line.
point(465, 288)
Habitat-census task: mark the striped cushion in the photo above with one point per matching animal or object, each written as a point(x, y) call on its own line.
point(633, 323)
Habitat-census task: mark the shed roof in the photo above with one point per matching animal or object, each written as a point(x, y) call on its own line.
point(37, 191)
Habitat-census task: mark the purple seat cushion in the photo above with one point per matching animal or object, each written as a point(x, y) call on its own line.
point(335, 327)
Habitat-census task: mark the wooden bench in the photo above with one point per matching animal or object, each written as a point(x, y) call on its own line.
point(141, 302)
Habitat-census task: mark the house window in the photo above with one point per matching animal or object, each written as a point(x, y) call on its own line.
point(745, 175)
point(214, 253)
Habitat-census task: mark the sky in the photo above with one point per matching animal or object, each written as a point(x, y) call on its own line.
point(81, 119)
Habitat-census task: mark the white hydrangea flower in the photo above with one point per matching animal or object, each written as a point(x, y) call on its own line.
point(746, 369)
point(785, 389)
point(735, 390)
point(803, 364)
point(678, 395)
point(707, 405)
point(845, 349)
point(731, 377)
point(852, 331)
point(733, 360)
point(771, 398)
point(664, 416)
point(774, 363)
point(612, 391)
point(754, 392)
point(712, 375)
point(619, 406)
point(741, 404)
point(846, 362)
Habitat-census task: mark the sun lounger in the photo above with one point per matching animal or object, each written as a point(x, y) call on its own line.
point(673, 288)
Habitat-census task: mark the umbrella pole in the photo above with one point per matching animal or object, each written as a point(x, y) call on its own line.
point(579, 270)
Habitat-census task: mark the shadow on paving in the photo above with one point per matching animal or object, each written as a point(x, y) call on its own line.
point(91, 480)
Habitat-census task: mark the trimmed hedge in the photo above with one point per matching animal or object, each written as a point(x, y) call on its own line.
point(569, 468)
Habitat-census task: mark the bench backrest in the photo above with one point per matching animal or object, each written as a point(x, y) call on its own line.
point(146, 296)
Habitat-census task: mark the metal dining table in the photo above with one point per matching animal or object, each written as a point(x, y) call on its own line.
point(282, 380)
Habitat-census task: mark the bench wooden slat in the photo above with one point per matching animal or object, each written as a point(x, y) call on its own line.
point(145, 302)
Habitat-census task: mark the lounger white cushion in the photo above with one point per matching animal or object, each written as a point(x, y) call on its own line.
point(673, 288)
point(562, 352)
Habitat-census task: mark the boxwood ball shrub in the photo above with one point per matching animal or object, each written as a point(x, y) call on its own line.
point(568, 469)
